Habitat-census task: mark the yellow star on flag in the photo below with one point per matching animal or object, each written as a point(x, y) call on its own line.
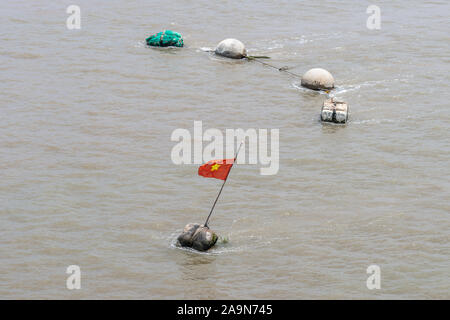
point(215, 167)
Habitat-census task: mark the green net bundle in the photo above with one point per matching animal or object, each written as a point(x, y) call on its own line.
point(167, 38)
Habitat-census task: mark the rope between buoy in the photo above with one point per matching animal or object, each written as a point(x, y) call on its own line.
point(256, 58)
point(282, 69)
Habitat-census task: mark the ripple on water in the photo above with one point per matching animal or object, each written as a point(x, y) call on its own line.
point(251, 242)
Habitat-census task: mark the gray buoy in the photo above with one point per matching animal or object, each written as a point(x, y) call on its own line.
point(231, 48)
point(197, 236)
point(318, 79)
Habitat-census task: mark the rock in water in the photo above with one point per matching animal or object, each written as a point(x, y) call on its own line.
point(198, 237)
point(185, 239)
point(231, 48)
point(203, 239)
point(318, 79)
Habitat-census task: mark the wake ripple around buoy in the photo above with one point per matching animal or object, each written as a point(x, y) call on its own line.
point(252, 242)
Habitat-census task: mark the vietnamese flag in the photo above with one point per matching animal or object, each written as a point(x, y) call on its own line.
point(218, 169)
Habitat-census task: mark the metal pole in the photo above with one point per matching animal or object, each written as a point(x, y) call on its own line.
point(223, 184)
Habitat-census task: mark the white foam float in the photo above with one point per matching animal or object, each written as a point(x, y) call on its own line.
point(334, 110)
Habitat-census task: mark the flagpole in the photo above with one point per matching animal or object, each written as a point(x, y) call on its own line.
point(223, 184)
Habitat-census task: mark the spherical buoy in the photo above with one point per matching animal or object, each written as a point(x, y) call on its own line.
point(318, 79)
point(231, 48)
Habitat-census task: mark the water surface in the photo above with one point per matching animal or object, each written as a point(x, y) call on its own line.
point(86, 176)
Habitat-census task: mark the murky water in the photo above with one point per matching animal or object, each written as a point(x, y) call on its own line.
point(86, 176)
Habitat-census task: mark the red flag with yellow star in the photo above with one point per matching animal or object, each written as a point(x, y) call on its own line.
point(218, 169)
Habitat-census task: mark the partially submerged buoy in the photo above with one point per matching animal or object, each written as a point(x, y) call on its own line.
point(318, 79)
point(198, 237)
point(231, 48)
point(166, 38)
point(334, 110)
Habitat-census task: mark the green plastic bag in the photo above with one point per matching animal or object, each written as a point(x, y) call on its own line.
point(167, 38)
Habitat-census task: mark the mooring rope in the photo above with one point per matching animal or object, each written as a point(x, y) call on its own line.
point(282, 69)
point(257, 58)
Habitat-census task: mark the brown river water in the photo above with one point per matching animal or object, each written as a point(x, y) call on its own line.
point(86, 176)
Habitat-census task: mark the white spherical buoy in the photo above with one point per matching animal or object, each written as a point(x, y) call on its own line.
point(318, 79)
point(231, 48)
